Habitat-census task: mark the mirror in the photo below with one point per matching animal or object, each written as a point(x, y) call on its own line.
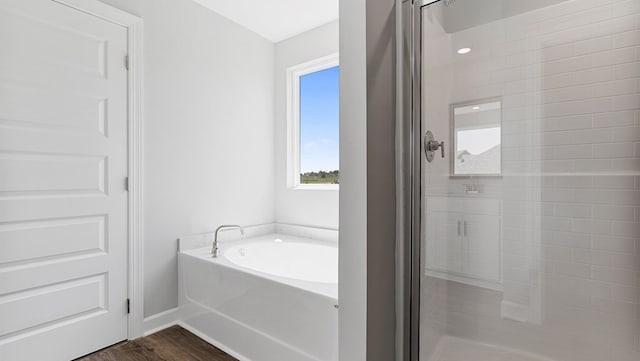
point(476, 131)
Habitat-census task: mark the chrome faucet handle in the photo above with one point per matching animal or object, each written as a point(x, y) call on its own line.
point(434, 145)
point(431, 146)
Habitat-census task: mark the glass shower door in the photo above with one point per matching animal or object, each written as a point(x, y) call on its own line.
point(529, 116)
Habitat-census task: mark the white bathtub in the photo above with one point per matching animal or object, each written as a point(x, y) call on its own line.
point(267, 298)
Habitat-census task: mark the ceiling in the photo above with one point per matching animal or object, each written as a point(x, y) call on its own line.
point(276, 20)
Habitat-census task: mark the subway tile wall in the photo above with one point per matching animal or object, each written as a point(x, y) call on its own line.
point(569, 78)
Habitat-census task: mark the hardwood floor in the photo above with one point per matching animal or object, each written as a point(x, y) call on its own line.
point(172, 344)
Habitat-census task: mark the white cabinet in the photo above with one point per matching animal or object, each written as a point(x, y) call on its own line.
point(463, 240)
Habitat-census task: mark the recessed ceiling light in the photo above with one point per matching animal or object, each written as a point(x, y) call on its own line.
point(475, 108)
point(464, 50)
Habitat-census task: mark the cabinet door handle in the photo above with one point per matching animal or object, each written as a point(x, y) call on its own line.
point(458, 227)
point(465, 228)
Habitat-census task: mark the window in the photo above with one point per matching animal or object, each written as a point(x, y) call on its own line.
point(313, 125)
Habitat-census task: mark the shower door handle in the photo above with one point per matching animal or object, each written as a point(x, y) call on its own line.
point(431, 146)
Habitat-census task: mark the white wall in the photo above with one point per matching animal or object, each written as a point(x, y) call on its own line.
point(381, 180)
point(352, 316)
point(208, 132)
point(367, 181)
point(568, 77)
point(317, 208)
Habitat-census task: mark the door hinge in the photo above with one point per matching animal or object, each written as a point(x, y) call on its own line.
point(128, 306)
point(126, 62)
point(126, 184)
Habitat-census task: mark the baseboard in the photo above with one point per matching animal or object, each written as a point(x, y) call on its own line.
point(213, 342)
point(160, 321)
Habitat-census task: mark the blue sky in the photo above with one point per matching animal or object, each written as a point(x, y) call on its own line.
point(319, 120)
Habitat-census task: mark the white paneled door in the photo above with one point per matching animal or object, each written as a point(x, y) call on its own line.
point(63, 165)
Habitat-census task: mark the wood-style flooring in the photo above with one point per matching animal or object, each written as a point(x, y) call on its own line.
point(172, 344)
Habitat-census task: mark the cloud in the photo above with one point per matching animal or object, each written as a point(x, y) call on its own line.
point(316, 145)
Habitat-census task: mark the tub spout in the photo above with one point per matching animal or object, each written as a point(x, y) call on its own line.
point(215, 250)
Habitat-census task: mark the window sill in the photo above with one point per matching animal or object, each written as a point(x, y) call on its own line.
point(316, 187)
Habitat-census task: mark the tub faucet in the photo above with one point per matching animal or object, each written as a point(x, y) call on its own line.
point(215, 250)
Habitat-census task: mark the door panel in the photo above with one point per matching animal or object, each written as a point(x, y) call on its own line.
point(63, 162)
point(481, 258)
point(538, 106)
point(444, 242)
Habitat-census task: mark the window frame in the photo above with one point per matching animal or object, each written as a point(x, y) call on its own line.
point(294, 73)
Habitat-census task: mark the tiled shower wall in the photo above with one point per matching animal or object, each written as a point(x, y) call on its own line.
point(569, 78)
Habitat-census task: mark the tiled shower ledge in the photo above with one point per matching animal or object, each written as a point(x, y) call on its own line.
point(456, 349)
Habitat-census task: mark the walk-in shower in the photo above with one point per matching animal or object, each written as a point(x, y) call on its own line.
point(526, 227)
